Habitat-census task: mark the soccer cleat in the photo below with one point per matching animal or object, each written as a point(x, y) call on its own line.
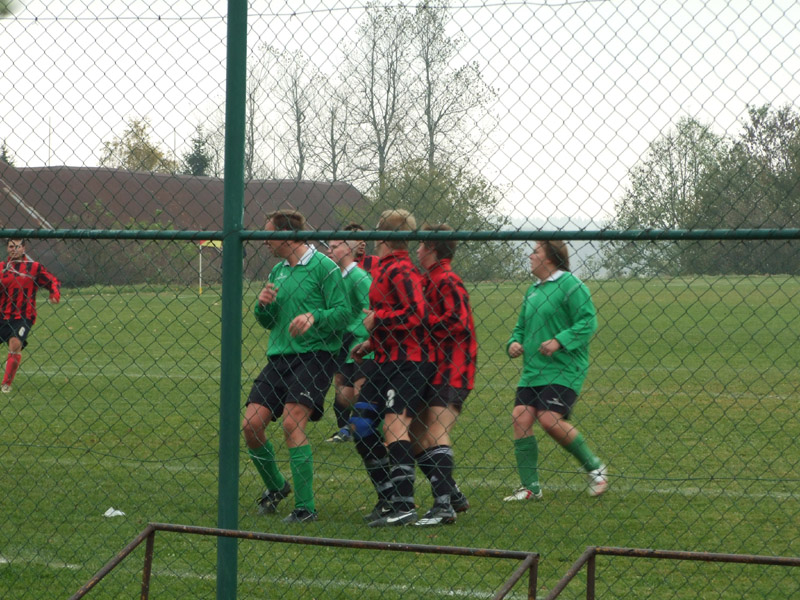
point(598, 481)
point(439, 515)
point(343, 435)
point(382, 508)
point(270, 499)
point(301, 515)
point(523, 493)
point(6, 388)
point(459, 502)
point(396, 519)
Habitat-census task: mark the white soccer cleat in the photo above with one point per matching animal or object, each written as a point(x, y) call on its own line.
point(6, 388)
point(598, 481)
point(523, 493)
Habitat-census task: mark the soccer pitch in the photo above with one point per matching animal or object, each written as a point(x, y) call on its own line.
point(691, 401)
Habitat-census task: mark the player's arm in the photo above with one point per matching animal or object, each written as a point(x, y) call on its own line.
point(267, 308)
point(514, 347)
point(455, 313)
point(45, 279)
point(584, 318)
point(335, 315)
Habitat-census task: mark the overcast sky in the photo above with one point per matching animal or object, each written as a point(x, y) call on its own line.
point(583, 87)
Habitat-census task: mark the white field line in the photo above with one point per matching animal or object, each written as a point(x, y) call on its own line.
point(316, 582)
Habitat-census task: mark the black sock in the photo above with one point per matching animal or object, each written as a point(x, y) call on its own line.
point(376, 461)
point(402, 473)
point(437, 463)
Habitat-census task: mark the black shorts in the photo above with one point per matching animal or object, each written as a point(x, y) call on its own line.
point(294, 379)
point(446, 395)
point(554, 398)
point(395, 387)
point(341, 357)
point(18, 328)
point(353, 371)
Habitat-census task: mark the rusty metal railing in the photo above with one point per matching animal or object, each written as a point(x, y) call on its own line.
point(588, 559)
point(529, 564)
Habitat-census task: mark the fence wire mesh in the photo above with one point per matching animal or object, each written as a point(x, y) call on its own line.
point(501, 118)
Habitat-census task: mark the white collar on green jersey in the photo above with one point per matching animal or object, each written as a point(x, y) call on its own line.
point(348, 268)
point(555, 275)
point(305, 259)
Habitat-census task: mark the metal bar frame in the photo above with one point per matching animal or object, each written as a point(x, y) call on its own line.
point(588, 559)
point(530, 560)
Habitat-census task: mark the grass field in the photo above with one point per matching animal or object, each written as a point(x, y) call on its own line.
point(691, 400)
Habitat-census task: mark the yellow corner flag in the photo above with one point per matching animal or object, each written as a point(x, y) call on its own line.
point(211, 244)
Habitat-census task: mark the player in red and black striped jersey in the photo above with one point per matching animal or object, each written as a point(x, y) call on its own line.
point(397, 322)
point(452, 328)
point(20, 279)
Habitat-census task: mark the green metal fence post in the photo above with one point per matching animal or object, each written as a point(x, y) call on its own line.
point(231, 348)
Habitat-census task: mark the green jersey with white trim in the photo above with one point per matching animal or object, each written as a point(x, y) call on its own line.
point(314, 285)
point(560, 307)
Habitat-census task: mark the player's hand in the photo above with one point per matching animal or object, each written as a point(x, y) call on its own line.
point(550, 347)
point(369, 320)
point(300, 324)
point(359, 351)
point(515, 350)
point(54, 298)
point(268, 294)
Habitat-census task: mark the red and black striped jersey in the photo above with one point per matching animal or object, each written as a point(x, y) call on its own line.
point(397, 299)
point(19, 282)
point(369, 262)
point(451, 326)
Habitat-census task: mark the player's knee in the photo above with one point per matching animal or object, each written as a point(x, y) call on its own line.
point(365, 420)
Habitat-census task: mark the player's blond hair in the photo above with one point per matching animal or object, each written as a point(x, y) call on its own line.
point(397, 220)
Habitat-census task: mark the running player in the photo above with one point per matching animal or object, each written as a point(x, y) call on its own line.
point(20, 280)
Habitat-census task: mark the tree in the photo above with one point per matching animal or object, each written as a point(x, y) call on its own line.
point(5, 155)
point(376, 82)
point(453, 100)
point(135, 151)
point(463, 199)
point(756, 186)
point(662, 194)
point(199, 160)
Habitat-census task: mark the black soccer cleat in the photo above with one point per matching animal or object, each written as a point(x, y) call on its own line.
point(396, 519)
point(268, 504)
point(382, 508)
point(440, 514)
point(301, 515)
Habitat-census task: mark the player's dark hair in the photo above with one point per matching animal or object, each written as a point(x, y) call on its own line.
point(353, 226)
point(443, 248)
point(287, 220)
point(557, 253)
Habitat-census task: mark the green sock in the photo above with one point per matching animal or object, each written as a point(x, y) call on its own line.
point(580, 450)
point(264, 460)
point(526, 451)
point(302, 465)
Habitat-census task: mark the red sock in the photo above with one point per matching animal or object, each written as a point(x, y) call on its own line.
point(12, 364)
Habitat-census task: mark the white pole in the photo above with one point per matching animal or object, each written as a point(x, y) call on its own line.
point(200, 269)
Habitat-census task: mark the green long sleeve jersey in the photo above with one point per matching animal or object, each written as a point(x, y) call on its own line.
point(560, 307)
point(314, 285)
point(356, 285)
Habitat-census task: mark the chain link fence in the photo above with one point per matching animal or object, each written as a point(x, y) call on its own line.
point(662, 140)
